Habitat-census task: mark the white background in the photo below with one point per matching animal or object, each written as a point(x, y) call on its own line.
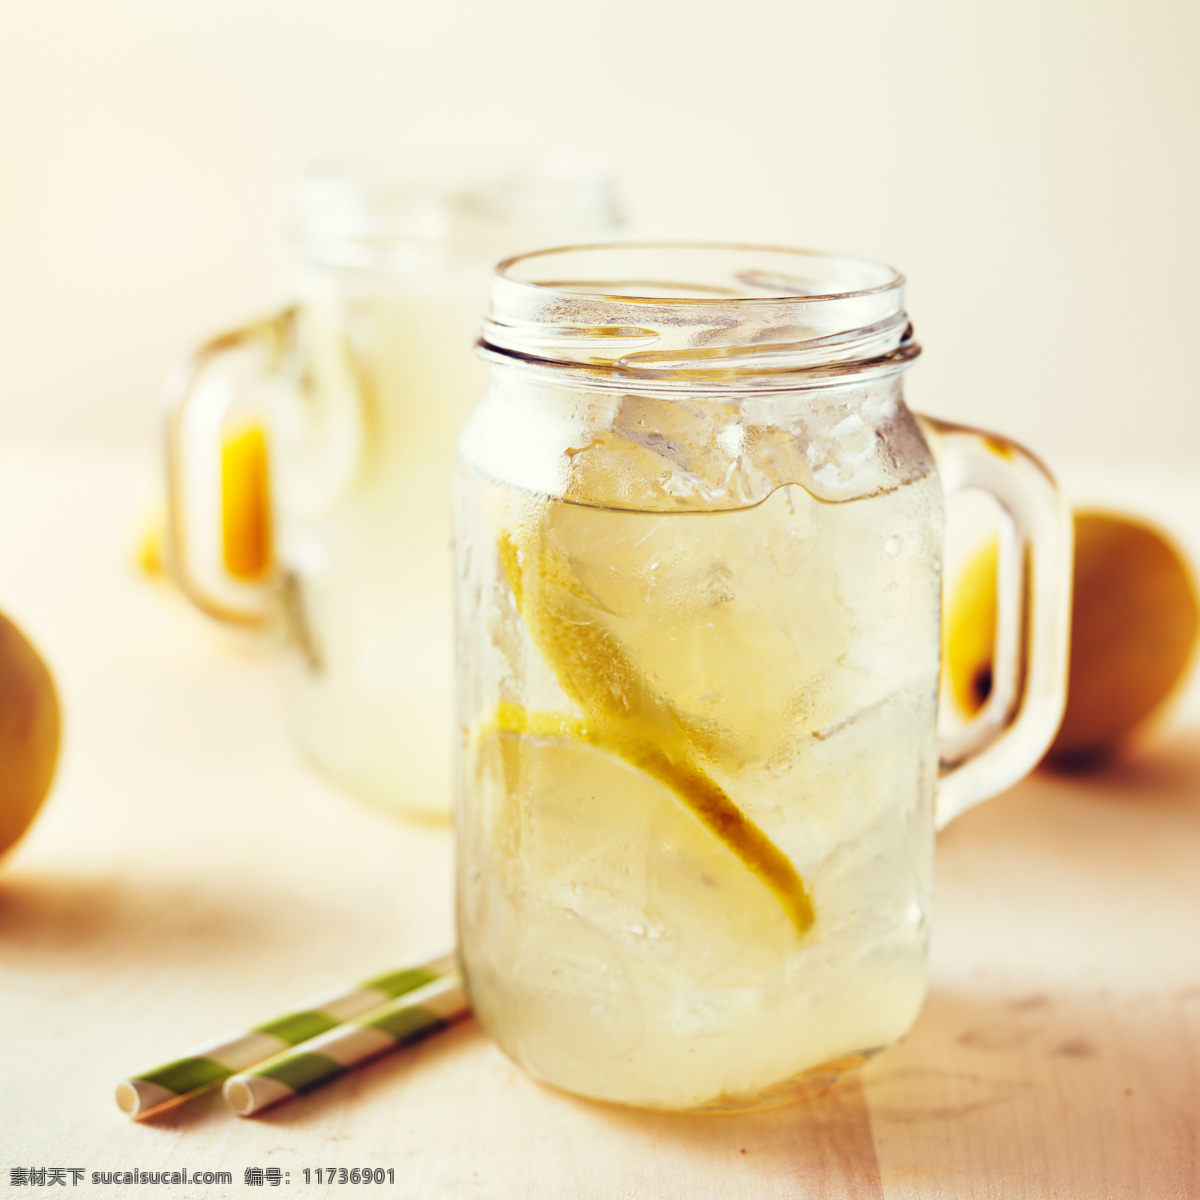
point(1032, 167)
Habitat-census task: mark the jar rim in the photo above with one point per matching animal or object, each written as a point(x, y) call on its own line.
point(699, 313)
point(894, 279)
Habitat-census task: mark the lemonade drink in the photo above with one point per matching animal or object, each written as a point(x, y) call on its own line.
point(697, 710)
point(398, 254)
point(699, 546)
point(365, 453)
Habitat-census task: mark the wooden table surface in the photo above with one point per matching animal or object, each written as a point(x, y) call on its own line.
point(190, 875)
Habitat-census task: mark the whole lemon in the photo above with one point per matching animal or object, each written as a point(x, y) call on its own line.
point(969, 631)
point(1134, 620)
point(30, 727)
point(246, 537)
point(1135, 617)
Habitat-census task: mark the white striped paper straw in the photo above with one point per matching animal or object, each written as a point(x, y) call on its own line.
point(400, 1022)
point(143, 1095)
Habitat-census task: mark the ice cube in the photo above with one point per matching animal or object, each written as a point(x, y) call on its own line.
point(709, 1012)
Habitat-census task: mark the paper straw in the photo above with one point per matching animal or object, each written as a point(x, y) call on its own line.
point(143, 1095)
point(398, 1023)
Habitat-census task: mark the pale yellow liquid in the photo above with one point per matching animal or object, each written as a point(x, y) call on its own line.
point(364, 459)
point(615, 945)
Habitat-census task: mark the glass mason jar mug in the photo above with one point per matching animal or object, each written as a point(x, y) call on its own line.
point(699, 545)
point(362, 387)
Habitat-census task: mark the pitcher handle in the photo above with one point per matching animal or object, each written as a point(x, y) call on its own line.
point(1029, 674)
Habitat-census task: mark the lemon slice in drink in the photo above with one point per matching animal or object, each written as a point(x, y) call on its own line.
point(625, 715)
point(696, 603)
point(611, 846)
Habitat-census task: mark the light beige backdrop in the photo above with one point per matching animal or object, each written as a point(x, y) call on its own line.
point(1032, 167)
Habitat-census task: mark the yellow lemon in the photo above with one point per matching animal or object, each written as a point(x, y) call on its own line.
point(589, 824)
point(149, 551)
point(29, 733)
point(625, 714)
point(246, 536)
point(969, 632)
point(246, 504)
point(1135, 617)
point(1134, 621)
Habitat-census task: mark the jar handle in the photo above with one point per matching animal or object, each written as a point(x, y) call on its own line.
point(198, 395)
point(1030, 657)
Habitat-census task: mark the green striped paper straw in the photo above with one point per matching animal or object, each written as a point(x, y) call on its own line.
point(206, 1066)
point(399, 1022)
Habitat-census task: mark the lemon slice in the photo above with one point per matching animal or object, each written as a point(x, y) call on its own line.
point(246, 504)
point(612, 848)
point(626, 716)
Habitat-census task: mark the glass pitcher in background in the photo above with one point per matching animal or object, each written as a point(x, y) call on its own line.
point(361, 388)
